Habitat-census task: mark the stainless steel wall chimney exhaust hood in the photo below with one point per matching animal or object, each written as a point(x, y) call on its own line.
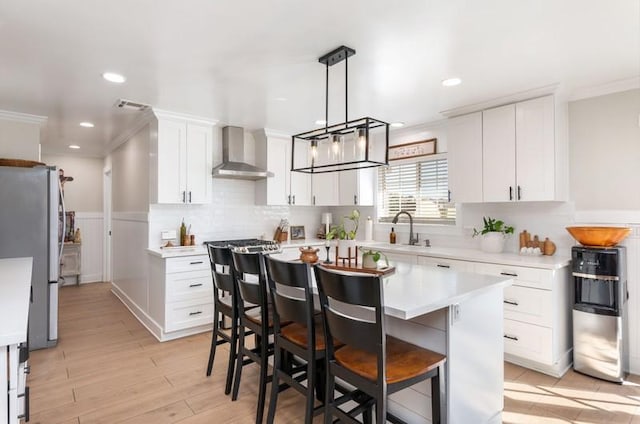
point(233, 165)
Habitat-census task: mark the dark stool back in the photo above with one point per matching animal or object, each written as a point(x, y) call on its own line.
point(297, 331)
point(254, 314)
point(373, 362)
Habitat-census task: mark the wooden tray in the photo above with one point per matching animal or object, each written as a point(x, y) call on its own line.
point(376, 271)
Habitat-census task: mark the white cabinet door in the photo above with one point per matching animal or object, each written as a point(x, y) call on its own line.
point(535, 147)
point(278, 162)
point(325, 189)
point(300, 181)
point(394, 257)
point(199, 163)
point(172, 157)
point(464, 141)
point(498, 154)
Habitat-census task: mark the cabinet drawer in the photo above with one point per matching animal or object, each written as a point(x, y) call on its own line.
point(455, 264)
point(189, 285)
point(528, 341)
point(522, 276)
point(190, 313)
point(528, 305)
point(188, 263)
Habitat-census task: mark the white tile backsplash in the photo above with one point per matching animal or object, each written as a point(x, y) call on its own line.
point(232, 214)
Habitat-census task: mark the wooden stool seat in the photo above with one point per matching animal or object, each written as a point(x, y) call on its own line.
point(297, 333)
point(403, 361)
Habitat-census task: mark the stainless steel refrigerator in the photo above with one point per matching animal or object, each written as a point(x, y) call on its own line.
point(29, 211)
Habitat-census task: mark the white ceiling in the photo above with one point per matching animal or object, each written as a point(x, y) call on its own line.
point(232, 60)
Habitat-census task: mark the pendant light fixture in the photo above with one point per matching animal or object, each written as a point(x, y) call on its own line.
point(356, 144)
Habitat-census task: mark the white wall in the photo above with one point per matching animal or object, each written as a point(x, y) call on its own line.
point(604, 135)
point(84, 193)
point(19, 140)
point(130, 170)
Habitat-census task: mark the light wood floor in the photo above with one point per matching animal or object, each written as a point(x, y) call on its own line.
point(107, 368)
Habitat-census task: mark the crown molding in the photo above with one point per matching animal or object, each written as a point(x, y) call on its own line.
point(616, 86)
point(503, 100)
point(22, 117)
point(138, 124)
point(166, 114)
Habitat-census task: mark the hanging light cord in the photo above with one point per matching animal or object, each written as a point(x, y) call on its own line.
point(326, 100)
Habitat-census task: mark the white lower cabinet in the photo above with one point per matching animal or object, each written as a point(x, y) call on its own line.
point(401, 257)
point(537, 326)
point(181, 295)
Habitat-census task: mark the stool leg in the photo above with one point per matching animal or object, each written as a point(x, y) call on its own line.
point(328, 396)
point(311, 384)
point(214, 339)
point(264, 365)
point(435, 398)
point(275, 382)
point(233, 352)
point(239, 358)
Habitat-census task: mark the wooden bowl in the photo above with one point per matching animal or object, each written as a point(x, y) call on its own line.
point(599, 236)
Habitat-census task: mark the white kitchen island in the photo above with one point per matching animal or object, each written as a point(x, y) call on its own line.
point(458, 314)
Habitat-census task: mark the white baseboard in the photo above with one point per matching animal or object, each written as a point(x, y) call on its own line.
point(141, 315)
point(90, 278)
point(557, 370)
point(149, 323)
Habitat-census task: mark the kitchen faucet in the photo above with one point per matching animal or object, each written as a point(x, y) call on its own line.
point(412, 241)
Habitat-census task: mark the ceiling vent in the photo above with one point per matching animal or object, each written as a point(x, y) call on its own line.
point(131, 105)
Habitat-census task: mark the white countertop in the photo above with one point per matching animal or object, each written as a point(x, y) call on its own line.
point(546, 262)
point(415, 290)
point(174, 252)
point(15, 289)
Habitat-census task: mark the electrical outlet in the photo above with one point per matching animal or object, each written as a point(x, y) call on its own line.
point(168, 235)
point(455, 313)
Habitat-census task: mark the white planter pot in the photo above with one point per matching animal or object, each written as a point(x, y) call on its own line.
point(492, 242)
point(368, 262)
point(343, 248)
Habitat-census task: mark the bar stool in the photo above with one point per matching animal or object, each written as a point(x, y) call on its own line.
point(373, 362)
point(303, 336)
point(255, 314)
point(225, 305)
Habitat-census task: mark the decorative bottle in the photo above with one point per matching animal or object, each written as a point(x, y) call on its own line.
point(392, 236)
point(183, 233)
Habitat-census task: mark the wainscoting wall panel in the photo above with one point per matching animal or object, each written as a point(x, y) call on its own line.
point(91, 230)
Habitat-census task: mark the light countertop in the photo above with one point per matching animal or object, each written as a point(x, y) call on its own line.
point(15, 289)
point(178, 251)
point(556, 261)
point(415, 290)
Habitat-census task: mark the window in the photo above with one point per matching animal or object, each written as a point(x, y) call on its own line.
point(421, 188)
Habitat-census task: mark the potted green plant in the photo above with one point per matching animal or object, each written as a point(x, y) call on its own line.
point(494, 233)
point(370, 258)
point(346, 236)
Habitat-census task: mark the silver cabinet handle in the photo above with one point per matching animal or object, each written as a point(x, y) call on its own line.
point(196, 263)
point(195, 285)
point(514, 338)
point(184, 197)
point(511, 302)
point(294, 199)
point(355, 199)
point(510, 193)
point(195, 313)
point(509, 274)
point(189, 197)
point(519, 193)
point(443, 266)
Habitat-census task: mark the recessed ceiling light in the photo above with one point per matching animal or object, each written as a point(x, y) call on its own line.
point(450, 82)
point(87, 124)
point(74, 146)
point(321, 122)
point(281, 99)
point(397, 124)
point(113, 77)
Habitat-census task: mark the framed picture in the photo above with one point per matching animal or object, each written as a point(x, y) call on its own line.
point(297, 232)
point(413, 150)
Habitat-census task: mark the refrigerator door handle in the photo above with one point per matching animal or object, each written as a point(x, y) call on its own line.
point(55, 245)
point(53, 310)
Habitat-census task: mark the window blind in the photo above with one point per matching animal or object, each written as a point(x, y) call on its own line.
point(421, 188)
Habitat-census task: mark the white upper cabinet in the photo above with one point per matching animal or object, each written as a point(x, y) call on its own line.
point(499, 154)
point(356, 187)
point(464, 153)
point(519, 151)
point(273, 153)
point(184, 160)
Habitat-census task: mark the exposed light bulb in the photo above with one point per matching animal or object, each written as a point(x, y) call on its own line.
point(361, 138)
point(314, 150)
point(336, 146)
